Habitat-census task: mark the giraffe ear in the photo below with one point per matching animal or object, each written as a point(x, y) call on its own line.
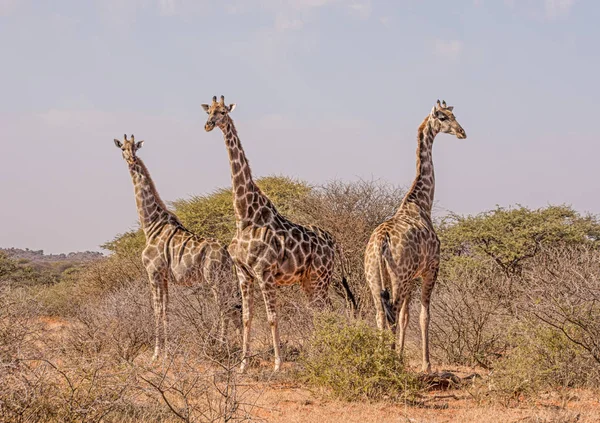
point(118, 143)
point(450, 108)
point(139, 144)
point(434, 111)
point(231, 107)
point(205, 107)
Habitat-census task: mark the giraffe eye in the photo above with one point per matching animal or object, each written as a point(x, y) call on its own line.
point(442, 118)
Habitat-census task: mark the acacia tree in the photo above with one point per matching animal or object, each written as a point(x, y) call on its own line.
point(511, 236)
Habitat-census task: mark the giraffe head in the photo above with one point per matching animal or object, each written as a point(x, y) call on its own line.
point(129, 148)
point(444, 120)
point(216, 112)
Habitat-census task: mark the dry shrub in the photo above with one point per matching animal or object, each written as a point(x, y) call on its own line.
point(476, 307)
point(554, 342)
point(48, 378)
point(564, 293)
point(353, 361)
point(194, 321)
point(119, 324)
point(197, 388)
point(542, 359)
point(471, 309)
point(20, 333)
point(94, 368)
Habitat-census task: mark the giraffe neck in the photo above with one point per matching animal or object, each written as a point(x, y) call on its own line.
point(422, 190)
point(151, 209)
point(248, 199)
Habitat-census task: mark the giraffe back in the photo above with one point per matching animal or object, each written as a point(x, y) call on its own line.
point(410, 239)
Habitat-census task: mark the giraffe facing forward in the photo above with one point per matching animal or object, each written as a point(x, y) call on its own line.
point(267, 247)
point(406, 246)
point(173, 253)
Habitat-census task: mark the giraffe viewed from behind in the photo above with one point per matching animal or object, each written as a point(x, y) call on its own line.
point(267, 247)
point(172, 253)
point(406, 247)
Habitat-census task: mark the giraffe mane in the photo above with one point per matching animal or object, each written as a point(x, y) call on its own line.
point(152, 186)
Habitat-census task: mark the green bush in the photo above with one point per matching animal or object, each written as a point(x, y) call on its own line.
point(354, 361)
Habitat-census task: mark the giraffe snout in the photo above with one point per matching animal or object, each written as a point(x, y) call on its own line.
point(209, 126)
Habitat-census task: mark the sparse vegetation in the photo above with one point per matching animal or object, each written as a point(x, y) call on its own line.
point(518, 298)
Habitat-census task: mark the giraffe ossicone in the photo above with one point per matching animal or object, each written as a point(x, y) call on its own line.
point(406, 247)
point(268, 248)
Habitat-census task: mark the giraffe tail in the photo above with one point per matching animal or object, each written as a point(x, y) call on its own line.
point(387, 306)
point(349, 294)
point(384, 295)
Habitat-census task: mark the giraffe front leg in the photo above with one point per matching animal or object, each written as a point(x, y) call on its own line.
point(163, 311)
point(247, 291)
point(155, 285)
point(221, 301)
point(268, 288)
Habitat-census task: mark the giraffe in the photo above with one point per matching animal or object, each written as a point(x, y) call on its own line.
point(267, 247)
point(406, 247)
point(174, 253)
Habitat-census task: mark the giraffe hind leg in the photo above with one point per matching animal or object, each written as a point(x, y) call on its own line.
point(403, 323)
point(373, 275)
point(268, 287)
point(164, 316)
point(401, 286)
point(426, 289)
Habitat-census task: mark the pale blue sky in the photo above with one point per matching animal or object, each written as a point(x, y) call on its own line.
point(325, 89)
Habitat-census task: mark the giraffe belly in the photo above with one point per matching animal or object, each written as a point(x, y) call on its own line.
point(290, 272)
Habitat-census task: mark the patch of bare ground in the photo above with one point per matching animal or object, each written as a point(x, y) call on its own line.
point(294, 404)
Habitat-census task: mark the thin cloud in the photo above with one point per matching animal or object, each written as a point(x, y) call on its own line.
point(386, 21)
point(362, 9)
point(283, 23)
point(8, 7)
point(546, 9)
point(558, 8)
point(448, 49)
point(167, 7)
